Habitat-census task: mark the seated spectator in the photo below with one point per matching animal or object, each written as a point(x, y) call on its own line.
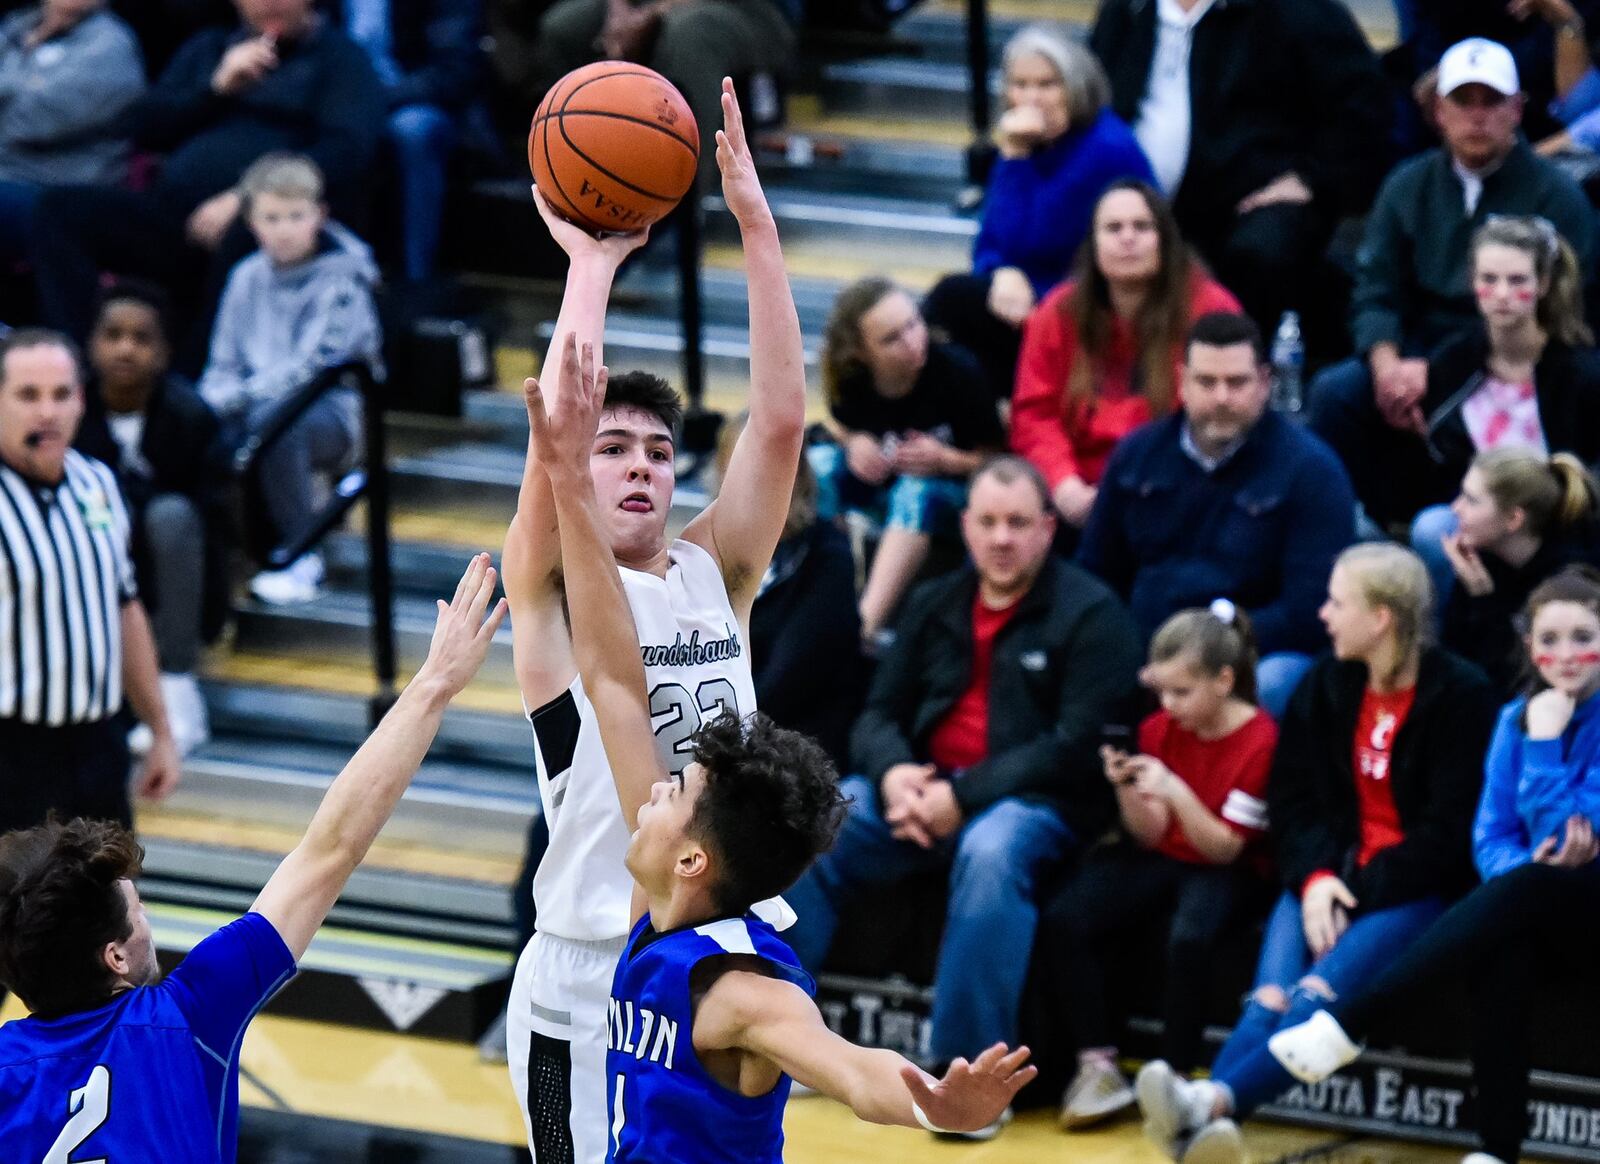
point(1370, 805)
point(1265, 124)
point(1192, 814)
point(1534, 842)
point(1060, 147)
point(976, 754)
point(804, 621)
point(298, 306)
point(68, 68)
point(1103, 353)
point(1550, 40)
point(1414, 289)
point(426, 54)
point(693, 43)
point(283, 79)
point(1225, 499)
point(912, 420)
point(1528, 377)
point(1522, 517)
point(164, 442)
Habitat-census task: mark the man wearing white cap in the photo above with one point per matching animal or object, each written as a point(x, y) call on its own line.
point(1413, 288)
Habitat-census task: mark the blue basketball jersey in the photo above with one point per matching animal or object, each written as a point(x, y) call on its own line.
point(665, 1108)
point(152, 1075)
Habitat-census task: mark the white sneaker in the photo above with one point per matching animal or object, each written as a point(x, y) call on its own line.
point(1173, 1108)
point(186, 711)
point(1481, 1158)
point(1097, 1092)
point(980, 1135)
point(295, 584)
point(1314, 1049)
point(1219, 1142)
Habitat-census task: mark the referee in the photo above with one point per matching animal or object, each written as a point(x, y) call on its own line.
point(73, 635)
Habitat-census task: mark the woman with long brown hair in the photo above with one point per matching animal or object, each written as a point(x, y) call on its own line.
point(1102, 354)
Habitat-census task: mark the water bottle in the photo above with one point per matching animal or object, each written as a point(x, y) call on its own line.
point(1288, 365)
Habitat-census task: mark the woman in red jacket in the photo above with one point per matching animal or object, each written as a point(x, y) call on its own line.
point(1103, 353)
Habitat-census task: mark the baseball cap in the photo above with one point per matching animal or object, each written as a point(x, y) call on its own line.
point(1477, 61)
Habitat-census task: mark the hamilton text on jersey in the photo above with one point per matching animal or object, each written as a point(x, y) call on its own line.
point(621, 1017)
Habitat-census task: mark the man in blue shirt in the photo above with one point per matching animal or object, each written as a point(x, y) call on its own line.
point(116, 1064)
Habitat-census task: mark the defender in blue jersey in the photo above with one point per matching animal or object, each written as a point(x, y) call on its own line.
point(115, 1064)
point(710, 1015)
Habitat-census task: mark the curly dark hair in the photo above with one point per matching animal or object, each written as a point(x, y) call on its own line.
point(59, 906)
point(648, 393)
point(770, 806)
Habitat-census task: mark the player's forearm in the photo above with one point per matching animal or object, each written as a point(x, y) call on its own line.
point(363, 796)
point(874, 1090)
point(777, 352)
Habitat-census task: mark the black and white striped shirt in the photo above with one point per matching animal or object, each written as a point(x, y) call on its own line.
point(64, 577)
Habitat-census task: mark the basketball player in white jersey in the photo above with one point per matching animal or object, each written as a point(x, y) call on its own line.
point(691, 601)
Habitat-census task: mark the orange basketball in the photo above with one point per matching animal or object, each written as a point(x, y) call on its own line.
point(613, 146)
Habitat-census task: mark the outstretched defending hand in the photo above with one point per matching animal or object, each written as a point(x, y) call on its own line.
point(971, 1095)
point(580, 245)
point(462, 635)
point(563, 437)
point(741, 189)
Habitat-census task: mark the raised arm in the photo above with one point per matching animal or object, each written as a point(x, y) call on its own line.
point(363, 796)
point(776, 1021)
point(741, 528)
point(540, 647)
point(605, 643)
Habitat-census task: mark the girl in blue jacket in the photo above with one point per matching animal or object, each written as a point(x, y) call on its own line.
point(1535, 846)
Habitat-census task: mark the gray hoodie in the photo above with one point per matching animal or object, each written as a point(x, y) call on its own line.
point(278, 327)
point(59, 99)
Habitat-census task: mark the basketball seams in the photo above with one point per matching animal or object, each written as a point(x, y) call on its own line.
point(556, 106)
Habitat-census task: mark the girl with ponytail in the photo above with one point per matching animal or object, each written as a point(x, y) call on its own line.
point(1526, 379)
point(1520, 517)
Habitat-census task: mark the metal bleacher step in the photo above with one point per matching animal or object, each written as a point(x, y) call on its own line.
point(876, 227)
point(633, 338)
point(324, 701)
point(923, 90)
point(337, 623)
point(358, 977)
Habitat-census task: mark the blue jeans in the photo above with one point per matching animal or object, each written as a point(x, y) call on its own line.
point(423, 136)
point(925, 505)
point(1277, 675)
point(995, 863)
point(17, 203)
point(1373, 940)
point(1428, 531)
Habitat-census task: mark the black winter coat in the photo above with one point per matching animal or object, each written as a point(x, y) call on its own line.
point(1064, 666)
point(1435, 771)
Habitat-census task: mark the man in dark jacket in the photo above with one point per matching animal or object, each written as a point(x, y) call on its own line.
point(162, 439)
point(1413, 283)
point(427, 56)
point(978, 752)
point(284, 78)
point(1225, 500)
point(1265, 123)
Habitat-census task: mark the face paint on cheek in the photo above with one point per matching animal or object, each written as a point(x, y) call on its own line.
point(1524, 295)
point(1544, 660)
point(1588, 658)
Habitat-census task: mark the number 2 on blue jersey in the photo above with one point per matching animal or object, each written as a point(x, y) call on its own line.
point(88, 1106)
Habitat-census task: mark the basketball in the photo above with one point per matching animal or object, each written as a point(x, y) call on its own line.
point(613, 146)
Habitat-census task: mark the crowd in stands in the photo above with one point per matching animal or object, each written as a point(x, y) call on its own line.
point(1178, 658)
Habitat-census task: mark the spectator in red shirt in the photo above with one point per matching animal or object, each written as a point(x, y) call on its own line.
point(1103, 353)
point(977, 754)
point(1371, 801)
point(1192, 811)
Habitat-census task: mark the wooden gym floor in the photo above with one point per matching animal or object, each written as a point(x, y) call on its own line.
point(316, 1091)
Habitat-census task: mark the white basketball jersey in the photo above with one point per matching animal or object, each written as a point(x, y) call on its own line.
point(696, 663)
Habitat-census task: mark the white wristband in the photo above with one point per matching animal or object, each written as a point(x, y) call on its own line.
point(922, 1118)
